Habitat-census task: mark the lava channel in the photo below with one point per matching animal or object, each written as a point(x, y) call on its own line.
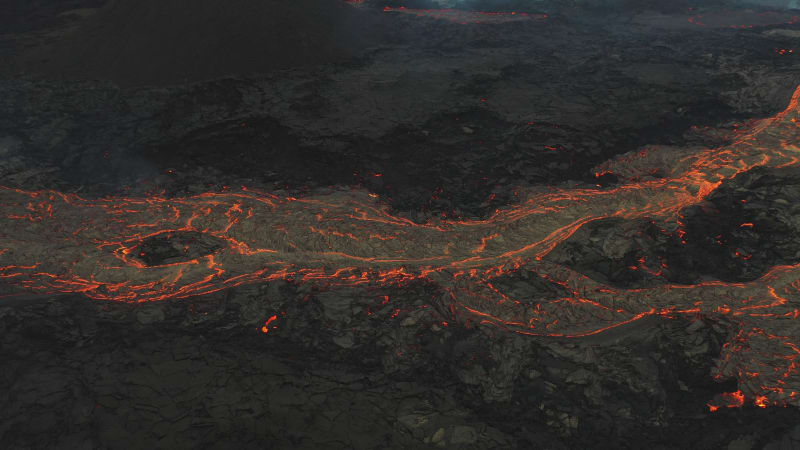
point(53, 242)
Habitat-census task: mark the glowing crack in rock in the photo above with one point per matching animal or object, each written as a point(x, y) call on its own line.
point(54, 242)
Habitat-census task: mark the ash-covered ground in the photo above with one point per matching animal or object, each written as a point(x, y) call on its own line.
point(441, 114)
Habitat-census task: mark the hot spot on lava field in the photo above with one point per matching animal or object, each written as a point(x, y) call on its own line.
point(376, 224)
point(61, 243)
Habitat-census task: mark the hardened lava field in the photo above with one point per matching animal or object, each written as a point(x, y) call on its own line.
point(427, 225)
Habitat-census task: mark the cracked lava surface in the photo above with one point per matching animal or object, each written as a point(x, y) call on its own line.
point(53, 242)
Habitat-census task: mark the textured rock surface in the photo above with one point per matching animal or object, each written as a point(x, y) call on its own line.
point(443, 122)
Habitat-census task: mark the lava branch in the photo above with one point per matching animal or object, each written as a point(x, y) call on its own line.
point(55, 242)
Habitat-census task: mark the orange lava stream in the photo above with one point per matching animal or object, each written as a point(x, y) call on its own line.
point(55, 242)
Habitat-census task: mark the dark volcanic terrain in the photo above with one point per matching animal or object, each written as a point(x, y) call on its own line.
point(438, 118)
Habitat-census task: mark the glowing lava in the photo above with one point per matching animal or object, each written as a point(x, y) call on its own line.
point(55, 242)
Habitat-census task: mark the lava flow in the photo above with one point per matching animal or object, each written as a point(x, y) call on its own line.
point(56, 242)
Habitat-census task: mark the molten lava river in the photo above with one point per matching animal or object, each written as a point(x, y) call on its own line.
point(52, 242)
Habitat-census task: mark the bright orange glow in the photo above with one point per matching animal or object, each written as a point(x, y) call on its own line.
point(265, 328)
point(54, 242)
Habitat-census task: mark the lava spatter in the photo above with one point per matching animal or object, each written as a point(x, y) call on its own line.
point(56, 242)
